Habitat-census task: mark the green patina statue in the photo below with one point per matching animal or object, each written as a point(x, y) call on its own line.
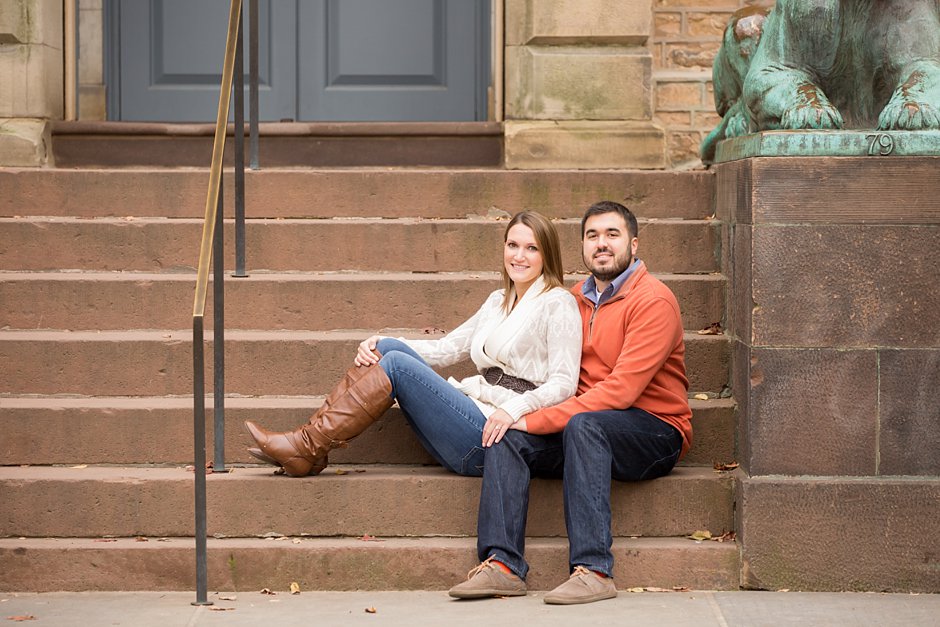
point(828, 64)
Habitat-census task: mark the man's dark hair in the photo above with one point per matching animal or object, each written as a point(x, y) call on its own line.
point(609, 206)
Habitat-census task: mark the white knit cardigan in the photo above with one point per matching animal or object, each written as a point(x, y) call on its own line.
point(539, 341)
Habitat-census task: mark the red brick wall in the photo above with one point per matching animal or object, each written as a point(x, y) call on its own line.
point(686, 36)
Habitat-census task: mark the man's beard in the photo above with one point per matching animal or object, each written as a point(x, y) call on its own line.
point(608, 275)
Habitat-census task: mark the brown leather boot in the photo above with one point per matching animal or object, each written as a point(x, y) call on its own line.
point(358, 400)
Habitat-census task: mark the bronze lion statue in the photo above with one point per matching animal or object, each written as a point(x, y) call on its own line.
point(828, 64)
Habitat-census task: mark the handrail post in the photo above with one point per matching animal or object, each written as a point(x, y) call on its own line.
point(253, 81)
point(239, 96)
point(218, 339)
point(199, 462)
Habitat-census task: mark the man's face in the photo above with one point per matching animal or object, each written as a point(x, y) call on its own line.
point(607, 247)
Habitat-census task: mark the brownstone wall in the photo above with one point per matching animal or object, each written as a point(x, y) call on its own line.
point(686, 37)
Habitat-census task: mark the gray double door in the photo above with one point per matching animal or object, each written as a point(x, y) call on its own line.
point(320, 60)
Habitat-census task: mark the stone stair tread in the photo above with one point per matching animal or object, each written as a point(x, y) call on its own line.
point(340, 563)
point(131, 430)
point(161, 244)
point(281, 192)
point(258, 362)
point(88, 500)
point(283, 300)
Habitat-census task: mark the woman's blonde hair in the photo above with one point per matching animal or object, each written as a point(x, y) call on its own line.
point(546, 238)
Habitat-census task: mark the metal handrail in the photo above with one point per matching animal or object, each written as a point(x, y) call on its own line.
point(212, 223)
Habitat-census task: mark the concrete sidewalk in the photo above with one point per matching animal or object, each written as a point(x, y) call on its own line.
point(692, 609)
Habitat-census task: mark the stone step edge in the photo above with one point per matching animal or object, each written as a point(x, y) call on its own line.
point(148, 220)
point(310, 275)
point(234, 402)
point(120, 473)
point(433, 563)
point(250, 335)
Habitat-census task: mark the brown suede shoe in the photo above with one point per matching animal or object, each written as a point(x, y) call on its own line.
point(583, 586)
point(488, 580)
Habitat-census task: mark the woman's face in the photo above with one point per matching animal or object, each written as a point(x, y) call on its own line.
point(522, 257)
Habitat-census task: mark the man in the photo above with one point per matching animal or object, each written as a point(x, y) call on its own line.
point(630, 421)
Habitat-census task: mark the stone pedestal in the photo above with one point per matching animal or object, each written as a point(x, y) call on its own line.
point(578, 85)
point(835, 320)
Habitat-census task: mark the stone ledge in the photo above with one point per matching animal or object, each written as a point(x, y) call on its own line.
point(584, 145)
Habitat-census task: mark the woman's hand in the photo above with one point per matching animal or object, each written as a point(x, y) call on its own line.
point(366, 355)
point(496, 426)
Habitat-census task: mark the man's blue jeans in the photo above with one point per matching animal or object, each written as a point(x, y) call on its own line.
point(446, 421)
point(627, 445)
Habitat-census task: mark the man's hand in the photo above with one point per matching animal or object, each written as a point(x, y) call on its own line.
point(520, 425)
point(495, 428)
point(366, 356)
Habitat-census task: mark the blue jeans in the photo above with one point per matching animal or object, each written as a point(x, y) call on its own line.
point(627, 445)
point(445, 420)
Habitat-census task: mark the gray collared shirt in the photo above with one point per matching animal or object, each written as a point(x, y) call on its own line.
point(589, 289)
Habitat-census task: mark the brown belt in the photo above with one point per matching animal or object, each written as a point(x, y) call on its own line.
point(496, 376)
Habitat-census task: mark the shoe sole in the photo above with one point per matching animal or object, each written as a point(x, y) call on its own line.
point(578, 600)
point(486, 594)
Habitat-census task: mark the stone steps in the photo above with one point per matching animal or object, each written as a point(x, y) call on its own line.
point(96, 277)
point(357, 192)
point(147, 430)
point(156, 363)
point(344, 563)
point(264, 300)
point(365, 244)
point(342, 501)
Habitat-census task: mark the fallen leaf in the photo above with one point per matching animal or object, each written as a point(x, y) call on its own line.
point(655, 589)
point(80, 466)
point(368, 538)
point(141, 539)
point(370, 610)
point(163, 539)
point(228, 598)
point(701, 397)
point(294, 587)
point(681, 589)
point(22, 618)
point(725, 467)
point(339, 471)
point(216, 608)
point(713, 329)
point(783, 590)
point(727, 536)
point(268, 591)
point(281, 538)
point(701, 535)
point(634, 590)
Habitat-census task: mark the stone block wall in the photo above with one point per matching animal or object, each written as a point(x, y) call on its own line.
point(31, 77)
point(686, 36)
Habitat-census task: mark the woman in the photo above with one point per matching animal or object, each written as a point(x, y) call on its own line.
point(525, 342)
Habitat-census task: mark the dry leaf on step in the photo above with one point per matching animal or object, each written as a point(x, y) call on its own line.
point(294, 587)
point(370, 610)
point(701, 535)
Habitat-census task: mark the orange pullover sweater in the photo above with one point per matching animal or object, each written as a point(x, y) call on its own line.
point(632, 356)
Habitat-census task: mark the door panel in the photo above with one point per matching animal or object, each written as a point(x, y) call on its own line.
point(171, 56)
point(407, 60)
point(320, 60)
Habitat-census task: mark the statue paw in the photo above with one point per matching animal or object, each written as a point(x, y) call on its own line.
point(737, 124)
point(818, 115)
point(908, 115)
